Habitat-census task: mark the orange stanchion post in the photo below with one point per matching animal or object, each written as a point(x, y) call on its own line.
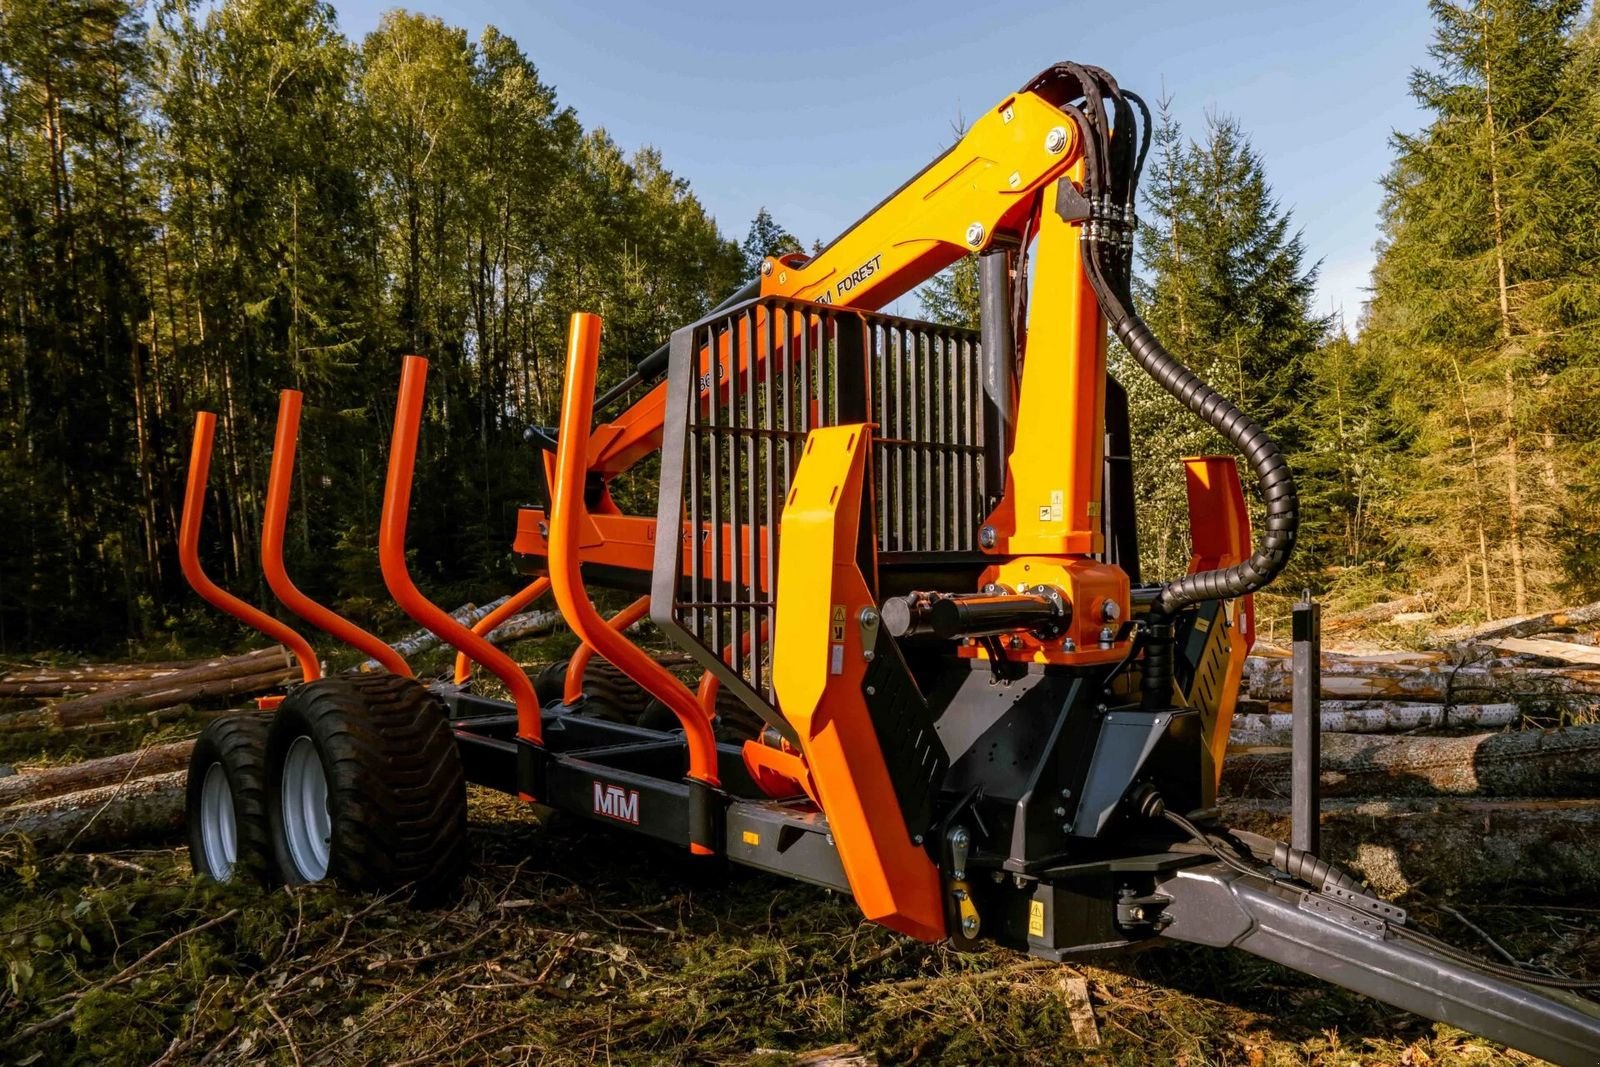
point(566, 579)
point(279, 480)
point(579, 663)
point(485, 626)
point(392, 558)
point(194, 505)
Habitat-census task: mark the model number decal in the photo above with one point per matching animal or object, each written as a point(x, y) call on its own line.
point(615, 802)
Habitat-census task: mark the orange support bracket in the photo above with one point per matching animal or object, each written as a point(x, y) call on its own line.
point(396, 575)
point(194, 506)
point(485, 626)
point(566, 516)
point(285, 439)
point(579, 663)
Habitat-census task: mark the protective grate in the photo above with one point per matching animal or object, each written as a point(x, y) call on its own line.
point(730, 447)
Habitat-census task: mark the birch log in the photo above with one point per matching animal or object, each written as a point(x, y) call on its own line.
point(1370, 717)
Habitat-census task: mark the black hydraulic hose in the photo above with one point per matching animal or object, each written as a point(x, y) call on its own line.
point(1261, 453)
point(1272, 473)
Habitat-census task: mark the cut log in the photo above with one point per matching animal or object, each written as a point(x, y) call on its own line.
point(1520, 626)
point(257, 662)
point(524, 625)
point(110, 816)
point(1449, 846)
point(1560, 651)
point(422, 640)
point(1522, 763)
point(1270, 679)
point(109, 672)
point(1371, 717)
point(75, 713)
point(91, 774)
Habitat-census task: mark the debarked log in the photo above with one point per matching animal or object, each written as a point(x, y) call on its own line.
point(1520, 763)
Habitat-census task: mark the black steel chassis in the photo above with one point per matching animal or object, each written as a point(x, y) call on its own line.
point(1140, 891)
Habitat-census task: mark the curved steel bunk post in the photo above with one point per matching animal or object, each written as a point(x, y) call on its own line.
point(194, 504)
point(285, 439)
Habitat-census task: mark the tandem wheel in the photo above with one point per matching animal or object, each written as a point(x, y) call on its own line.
point(226, 800)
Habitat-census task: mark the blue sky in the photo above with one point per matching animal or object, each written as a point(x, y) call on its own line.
point(818, 110)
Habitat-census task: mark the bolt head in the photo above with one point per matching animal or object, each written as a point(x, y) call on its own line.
point(872, 690)
point(1110, 610)
point(869, 617)
point(1069, 645)
point(987, 537)
point(975, 234)
point(766, 268)
point(1060, 812)
point(969, 925)
point(1055, 140)
point(960, 837)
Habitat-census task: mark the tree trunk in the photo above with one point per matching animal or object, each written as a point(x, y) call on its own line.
point(1269, 680)
point(259, 662)
point(78, 714)
point(1523, 763)
point(91, 774)
point(1457, 846)
point(112, 816)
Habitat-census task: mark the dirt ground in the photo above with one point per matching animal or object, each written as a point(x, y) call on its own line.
point(572, 944)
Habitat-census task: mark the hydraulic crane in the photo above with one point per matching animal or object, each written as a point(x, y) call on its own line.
point(904, 558)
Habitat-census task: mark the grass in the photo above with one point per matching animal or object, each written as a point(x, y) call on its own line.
point(571, 944)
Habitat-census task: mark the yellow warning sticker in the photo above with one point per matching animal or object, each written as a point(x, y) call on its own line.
point(752, 838)
point(838, 623)
point(1036, 918)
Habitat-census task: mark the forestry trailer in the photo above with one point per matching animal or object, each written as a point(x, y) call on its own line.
point(902, 556)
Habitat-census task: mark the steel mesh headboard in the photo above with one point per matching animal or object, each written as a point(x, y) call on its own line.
point(730, 448)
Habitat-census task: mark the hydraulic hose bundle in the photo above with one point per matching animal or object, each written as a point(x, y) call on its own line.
point(1114, 151)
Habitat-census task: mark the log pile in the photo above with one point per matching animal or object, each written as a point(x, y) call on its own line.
point(1401, 809)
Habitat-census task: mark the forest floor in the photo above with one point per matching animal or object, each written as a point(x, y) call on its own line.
point(570, 944)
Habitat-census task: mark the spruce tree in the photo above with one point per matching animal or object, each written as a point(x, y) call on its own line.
point(1227, 286)
point(766, 238)
point(1484, 272)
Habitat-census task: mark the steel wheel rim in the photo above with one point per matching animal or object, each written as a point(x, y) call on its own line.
point(218, 829)
point(307, 825)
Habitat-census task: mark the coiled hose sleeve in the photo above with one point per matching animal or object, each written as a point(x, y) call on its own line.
point(1312, 871)
point(1272, 474)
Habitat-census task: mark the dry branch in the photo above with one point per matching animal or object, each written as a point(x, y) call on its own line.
point(90, 774)
point(1376, 613)
point(1449, 845)
point(1525, 763)
point(108, 816)
point(1370, 717)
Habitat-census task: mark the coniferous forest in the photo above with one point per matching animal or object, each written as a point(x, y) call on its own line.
point(202, 204)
